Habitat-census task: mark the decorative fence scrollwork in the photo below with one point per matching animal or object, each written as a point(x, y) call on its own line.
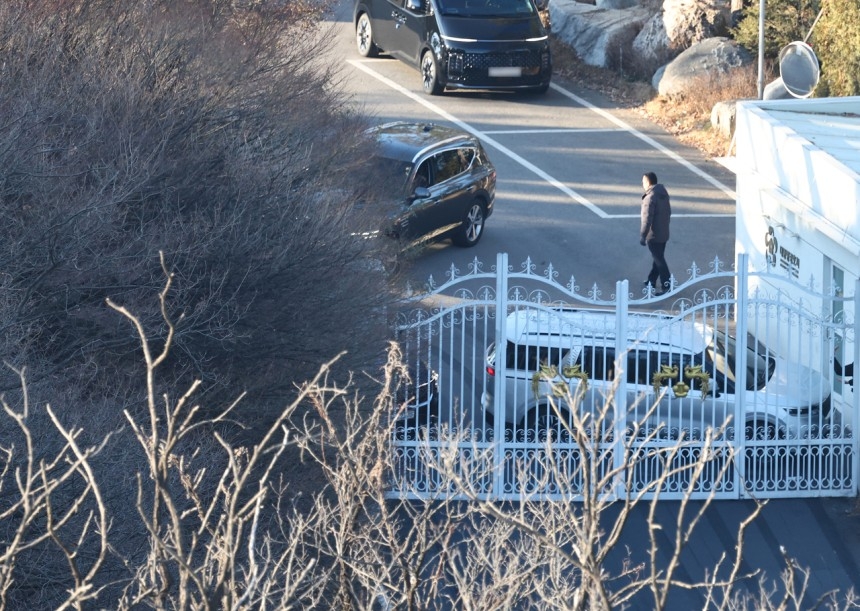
point(535, 384)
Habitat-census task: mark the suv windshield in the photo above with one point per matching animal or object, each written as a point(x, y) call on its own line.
point(760, 367)
point(486, 8)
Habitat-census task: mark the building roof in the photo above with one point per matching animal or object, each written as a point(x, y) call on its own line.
point(798, 165)
point(830, 124)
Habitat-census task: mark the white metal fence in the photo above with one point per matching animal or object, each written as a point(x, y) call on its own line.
point(567, 393)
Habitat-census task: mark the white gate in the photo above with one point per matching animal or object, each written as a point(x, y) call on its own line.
point(529, 404)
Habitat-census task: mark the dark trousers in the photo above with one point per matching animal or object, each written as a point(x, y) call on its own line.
point(658, 267)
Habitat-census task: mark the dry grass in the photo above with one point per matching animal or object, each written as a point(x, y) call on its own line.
point(687, 117)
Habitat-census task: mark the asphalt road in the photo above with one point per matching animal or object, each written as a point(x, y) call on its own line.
point(569, 186)
point(569, 181)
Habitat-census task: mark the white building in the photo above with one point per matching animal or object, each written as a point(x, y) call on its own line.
point(798, 201)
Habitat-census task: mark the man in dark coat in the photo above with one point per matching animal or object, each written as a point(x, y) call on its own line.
point(654, 231)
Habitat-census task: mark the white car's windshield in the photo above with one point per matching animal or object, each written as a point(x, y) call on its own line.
point(723, 353)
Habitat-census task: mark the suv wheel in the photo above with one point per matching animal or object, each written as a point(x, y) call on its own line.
point(472, 229)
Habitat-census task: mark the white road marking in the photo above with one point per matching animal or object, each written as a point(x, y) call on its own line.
point(646, 139)
point(572, 130)
point(485, 137)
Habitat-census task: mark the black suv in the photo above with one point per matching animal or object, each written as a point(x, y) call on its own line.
point(442, 178)
point(473, 44)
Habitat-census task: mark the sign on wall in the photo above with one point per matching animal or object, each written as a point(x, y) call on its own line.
point(777, 255)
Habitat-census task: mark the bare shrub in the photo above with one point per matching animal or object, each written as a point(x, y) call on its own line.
point(53, 518)
point(688, 116)
point(565, 554)
point(209, 133)
point(625, 92)
point(219, 530)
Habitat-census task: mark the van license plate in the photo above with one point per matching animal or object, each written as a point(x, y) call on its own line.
point(506, 71)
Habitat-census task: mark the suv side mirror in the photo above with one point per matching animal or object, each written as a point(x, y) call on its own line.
point(420, 193)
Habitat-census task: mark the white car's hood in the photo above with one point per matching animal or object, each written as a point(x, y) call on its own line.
point(796, 385)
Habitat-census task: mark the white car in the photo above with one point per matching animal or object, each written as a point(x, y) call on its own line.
point(680, 375)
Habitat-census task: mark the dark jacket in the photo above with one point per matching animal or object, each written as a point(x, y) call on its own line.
point(655, 214)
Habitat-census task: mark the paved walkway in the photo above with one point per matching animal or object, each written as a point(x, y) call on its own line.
point(821, 535)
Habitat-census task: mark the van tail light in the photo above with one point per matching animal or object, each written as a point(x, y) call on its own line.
point(491, 371)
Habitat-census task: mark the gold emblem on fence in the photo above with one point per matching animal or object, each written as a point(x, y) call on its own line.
point(574, 371)
point(667, 372)
point(681, 388)
point(694, 372)
point(559, 388)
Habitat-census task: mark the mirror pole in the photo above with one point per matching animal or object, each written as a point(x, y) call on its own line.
point(761, 49)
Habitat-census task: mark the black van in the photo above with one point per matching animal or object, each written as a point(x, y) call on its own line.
point(469, 44)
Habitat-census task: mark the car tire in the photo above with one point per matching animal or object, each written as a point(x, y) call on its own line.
point(430, 74)
point(762, 431)
point(549, 425)
point(364, 37)
point(470, 231)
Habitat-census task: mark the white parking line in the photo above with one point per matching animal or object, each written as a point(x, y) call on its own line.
point(485, 137)
point(646, 139)
point(554, 131)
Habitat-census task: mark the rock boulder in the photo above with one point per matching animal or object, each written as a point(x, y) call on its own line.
point(652, 44)
point(691, 21)
point(616, 4)
point(712, 58)
point(600, 37)
point(723, 118)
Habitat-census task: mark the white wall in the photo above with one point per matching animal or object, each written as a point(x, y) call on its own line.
point(798, 206)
